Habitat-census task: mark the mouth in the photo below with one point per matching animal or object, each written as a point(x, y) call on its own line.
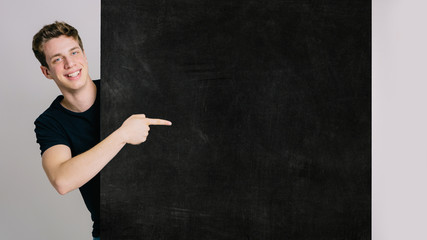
point(73, 75)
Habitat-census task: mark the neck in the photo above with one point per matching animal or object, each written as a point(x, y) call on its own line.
point(82, 100)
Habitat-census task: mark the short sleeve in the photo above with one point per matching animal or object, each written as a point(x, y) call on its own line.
point(49, 133)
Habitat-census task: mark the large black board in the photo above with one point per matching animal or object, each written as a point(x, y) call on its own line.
point(271, 109)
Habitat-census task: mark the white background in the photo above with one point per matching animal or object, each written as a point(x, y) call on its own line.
point(399, 107)
point(31, 209)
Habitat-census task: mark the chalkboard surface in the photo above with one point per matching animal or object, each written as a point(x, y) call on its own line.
point(271, 109)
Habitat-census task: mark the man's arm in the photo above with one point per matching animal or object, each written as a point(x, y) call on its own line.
point(67, 173)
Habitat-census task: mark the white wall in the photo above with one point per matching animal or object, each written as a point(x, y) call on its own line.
point(399, 167)
point(30, 208)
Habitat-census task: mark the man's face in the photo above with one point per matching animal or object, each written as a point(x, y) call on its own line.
point(67, 63)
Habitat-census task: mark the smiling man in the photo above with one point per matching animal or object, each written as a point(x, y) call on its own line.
point(68, 131)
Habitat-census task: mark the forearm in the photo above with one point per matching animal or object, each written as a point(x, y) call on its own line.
point(75, 172)
point(67, 173)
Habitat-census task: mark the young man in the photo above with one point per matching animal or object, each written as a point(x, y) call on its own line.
point(68, 131)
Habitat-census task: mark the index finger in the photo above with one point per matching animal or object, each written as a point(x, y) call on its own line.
point(154, 121)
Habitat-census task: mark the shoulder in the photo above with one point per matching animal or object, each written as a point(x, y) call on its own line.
point(51, 112)
point(52, 118)
point(49, 127)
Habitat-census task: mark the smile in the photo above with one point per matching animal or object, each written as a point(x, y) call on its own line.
point(74, 74)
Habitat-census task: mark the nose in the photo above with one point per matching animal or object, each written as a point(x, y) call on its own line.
point(68, 63)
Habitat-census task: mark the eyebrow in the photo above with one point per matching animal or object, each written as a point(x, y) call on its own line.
point(59, 54)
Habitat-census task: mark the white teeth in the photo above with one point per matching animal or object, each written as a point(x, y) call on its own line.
point(73, 74)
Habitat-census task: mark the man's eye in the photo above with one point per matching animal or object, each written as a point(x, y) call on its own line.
point(74, 53)
point(56, 60)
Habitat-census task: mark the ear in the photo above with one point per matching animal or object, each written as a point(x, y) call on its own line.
point(46, 72)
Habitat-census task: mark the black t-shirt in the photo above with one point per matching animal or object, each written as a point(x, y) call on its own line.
point(80, 132)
